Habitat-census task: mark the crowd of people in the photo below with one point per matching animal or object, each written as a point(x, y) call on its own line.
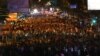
point(51, 44)
point(53, 37)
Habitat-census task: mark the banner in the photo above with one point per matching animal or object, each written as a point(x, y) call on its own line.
point(18, 6)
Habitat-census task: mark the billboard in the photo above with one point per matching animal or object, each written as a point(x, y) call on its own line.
point(18, 5)
point(93, 4)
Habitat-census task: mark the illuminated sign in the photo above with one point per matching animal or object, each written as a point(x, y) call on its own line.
point(93, 4)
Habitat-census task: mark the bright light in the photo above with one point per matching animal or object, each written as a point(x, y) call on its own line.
point(93, 4)
point(51, 9)
point(35, 11)
point(12, 15)
point(93, 22)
